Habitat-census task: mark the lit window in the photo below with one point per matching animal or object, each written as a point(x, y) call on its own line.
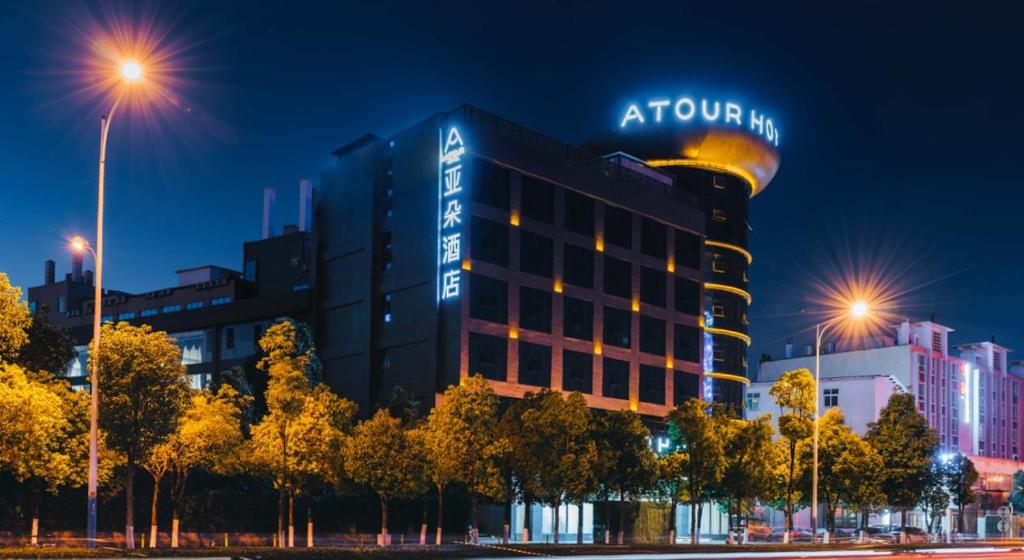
point(148, 312)
point(32, 306)
point(716, 263)
point(753, 401)
point(220, 300)
point(194, 305)
point(832, 397)
point(718, 182)
point(126, 316)
point(718, 310)
point(107, 319)
point(718, 215)
point(171, 308)
point(300, 287)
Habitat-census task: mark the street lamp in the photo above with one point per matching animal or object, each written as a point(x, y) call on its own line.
point(130, 72)
point(858, 310)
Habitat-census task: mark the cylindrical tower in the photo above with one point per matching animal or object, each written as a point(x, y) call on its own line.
point(724, 153)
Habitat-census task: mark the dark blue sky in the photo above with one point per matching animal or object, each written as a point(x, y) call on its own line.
point(900, 121)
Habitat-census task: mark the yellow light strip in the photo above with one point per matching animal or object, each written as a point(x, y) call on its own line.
point(730, 246)
point(755, 185)
point(727, 332)
point(728, 377)
point(726, 288)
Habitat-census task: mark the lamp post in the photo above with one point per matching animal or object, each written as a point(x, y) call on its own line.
point(130, 72)
point(857, 310)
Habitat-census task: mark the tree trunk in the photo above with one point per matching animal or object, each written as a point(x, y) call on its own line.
point(554, 534)
point(672, 521)
point(280, 515)
point(475, 532)
point(129, 507)
point(35, 512)
point(693, 522)
point(579, 524)
point(622, 519)
point(174, 525)
point(527, 517)
point(440, 514)
point(700, 516)
point(309, 523)
point(384, 521)
point(960, 518)
point(607, 517)
point(291, 520)
point(152, 513)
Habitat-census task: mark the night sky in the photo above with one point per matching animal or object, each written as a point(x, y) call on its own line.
point(900, 126)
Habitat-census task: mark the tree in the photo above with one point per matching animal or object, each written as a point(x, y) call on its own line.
point(935, 499)
point(551, 447)
point(1017, 491)
point(702, 458)
point(628, 466)
point(50, 347)
point(299, 442)
point(462, 446)
point(15, 320)
point(960, 478)
point(383, 456)
point(747, 448)
point(672, 485)
point(795, 394)
point(144, 391)
point(208, 435)
point(860, 470)
point(906, 444)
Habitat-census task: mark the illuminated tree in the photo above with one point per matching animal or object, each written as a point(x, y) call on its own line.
point(1017, 491)
point(382, 455)
point(960, 477)
point(935, 499)
point(795, 394)
point(626, 463)
point(50, 347)
point(144, 392)
point(672, 484)
point(906, 444)
point(860, 471)
point(702, 456)
point(747, 448)
point(15, 320)
point(208, 435)
point(461, 444)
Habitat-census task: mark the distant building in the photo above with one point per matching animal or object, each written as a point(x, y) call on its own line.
point(970, 396)
point(216, 314)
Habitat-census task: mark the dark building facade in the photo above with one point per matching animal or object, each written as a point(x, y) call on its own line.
point(215, 314)
point(468, 244)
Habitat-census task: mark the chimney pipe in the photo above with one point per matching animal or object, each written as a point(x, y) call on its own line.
point(269, 203)
point(50, 271)
point(76, 267)
point(305, 205)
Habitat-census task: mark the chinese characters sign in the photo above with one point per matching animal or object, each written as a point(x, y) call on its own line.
point(449, 220)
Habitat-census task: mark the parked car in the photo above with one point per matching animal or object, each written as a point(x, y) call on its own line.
point(799, 534)
point(913, 534)
point(758, 530)
point(879, 533)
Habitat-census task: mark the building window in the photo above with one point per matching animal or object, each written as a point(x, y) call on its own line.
point(488, 299)
point(652, 335)
point(617, 327)
point(618, 227)
point(229, 338)
point(304, 287)
point(618, 277)
point(295, 261)
point(652, 238)
point(32, 306)
point(171, 308)
point(126, 316)
point(148, 312)
point(718, 215)
point(536, 254)
point(718, 310)
point(997, 361)
point(488, 356)
point(489, 241)
point(107, 319)
point(194, 305)
point(538, 200)
point(250, 270)
point(578, 318)
point(753, 401)
point(534, 309)
point(534, 364)
point(61, 305)
point(685, 386)
point(579, 213)
point(717, 262)
point(578, 266)
point(492, 188)
point(688, 249)
point(385, 360)
point(615, 379)
point(220, 300)
point(652, 384)
point(687, 296)
point(577, 372)
point(385, 308)
point(652, 286)
point(936, 341)
point(832, 397)
point(718, 182)
point(686, 343)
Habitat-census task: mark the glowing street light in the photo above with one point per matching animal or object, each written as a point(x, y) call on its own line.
point(858, 310)
point(131, 71)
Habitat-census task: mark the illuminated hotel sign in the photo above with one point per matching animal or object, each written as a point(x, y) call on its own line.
point(450, 178)
point(708, 111)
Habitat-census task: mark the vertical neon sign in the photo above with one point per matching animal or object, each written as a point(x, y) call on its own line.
point(708, 359)
point(449, 214)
